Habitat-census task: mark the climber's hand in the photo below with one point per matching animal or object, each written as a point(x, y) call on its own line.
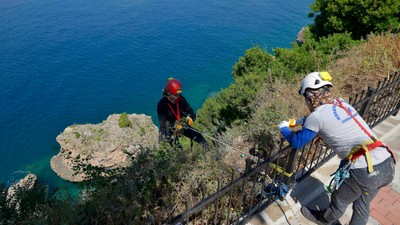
point(296, 122)
point(283, 124)
point(189, 121)
point(178, 126)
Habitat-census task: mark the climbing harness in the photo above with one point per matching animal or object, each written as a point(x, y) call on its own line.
point(343, 172)
point(365, 147)
point(176, 130)
point(176, 113)
point(179, 125)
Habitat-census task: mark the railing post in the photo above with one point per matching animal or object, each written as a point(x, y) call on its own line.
point(397, 109)
point(364, 107)
point(293, 158)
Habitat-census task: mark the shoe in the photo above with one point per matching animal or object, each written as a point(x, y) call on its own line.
point(315, 216)
point(337, 222)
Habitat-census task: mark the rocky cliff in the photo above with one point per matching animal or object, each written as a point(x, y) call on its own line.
point(27, 183)
point(105, 144)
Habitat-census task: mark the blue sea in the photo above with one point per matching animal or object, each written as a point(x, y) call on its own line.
point(65, 62)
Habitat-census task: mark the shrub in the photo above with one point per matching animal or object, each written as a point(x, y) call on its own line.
point(255, 61)
point(359, 18)
point(27, 206)
point(313, 55)
point(124, 121)
point(234, 105)
point(231, 105)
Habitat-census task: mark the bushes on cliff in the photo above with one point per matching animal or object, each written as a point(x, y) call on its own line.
point(313, 55)
point(25, 207)
point(234, 105)
point(254, 61)
point(124, 121)
point(231, 105)
point(359, 18)
point(150, 191)
point(367, 63)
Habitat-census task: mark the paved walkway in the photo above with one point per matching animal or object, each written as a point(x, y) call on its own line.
point(385, 209)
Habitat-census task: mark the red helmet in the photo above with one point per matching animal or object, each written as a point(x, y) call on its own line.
point(173, 86)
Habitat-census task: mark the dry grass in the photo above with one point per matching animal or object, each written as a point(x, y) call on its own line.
point(366, 64)
point(277, 101)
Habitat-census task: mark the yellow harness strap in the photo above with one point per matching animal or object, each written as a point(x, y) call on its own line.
point(363, 149)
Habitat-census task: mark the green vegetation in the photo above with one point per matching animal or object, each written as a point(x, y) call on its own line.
point(360, 18)
point(257, 68)
point(161, 181)
point(145, 193)
point(124, 121)
point(30, 205)
point(77, 134)
point(142, 131)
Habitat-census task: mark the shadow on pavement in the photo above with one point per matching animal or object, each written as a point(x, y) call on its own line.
point(311, 193)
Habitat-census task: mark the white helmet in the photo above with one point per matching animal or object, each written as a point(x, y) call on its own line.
point(315, 80)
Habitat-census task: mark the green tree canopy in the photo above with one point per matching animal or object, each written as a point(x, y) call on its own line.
point(255, 60)
point(359, 17)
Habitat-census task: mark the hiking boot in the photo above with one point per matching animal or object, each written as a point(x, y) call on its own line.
point(316, 216)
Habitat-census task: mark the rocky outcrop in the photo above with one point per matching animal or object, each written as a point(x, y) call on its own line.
point(300, 35)
point(26, 183)
point(103, 145)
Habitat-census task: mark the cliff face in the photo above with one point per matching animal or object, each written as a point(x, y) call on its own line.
point(105, 144)
point(26, 183)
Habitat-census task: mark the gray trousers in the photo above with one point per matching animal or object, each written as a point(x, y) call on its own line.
point(360, 188)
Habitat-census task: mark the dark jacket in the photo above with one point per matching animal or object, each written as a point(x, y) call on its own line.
point(168, 112)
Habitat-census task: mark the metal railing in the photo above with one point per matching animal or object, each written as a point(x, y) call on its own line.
point(260, 185)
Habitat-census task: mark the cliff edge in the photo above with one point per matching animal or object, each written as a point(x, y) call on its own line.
point(104, 145)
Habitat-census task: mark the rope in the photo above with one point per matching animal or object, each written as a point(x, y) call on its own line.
point(284, 214)
point(233, 148)
point(341, 174)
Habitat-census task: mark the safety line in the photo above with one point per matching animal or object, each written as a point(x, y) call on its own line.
point(233, 148)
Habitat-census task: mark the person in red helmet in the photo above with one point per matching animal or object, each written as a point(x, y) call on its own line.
point(172, 109)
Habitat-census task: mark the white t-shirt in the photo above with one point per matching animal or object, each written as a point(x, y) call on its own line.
point(339, 130)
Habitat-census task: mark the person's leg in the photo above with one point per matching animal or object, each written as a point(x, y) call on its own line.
point(316, 216)
point(361, 208)
point(348, 192)
point(340, 200)
point(370, 183)
point(197, 137)
point(359, 189)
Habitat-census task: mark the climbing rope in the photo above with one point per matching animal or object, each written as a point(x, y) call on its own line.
point(342, 173)
point(242, 154)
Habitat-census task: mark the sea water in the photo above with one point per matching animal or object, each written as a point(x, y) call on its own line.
point(66, 62)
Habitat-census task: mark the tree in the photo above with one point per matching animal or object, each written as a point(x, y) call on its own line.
point(255, 60)
point(358, 17)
